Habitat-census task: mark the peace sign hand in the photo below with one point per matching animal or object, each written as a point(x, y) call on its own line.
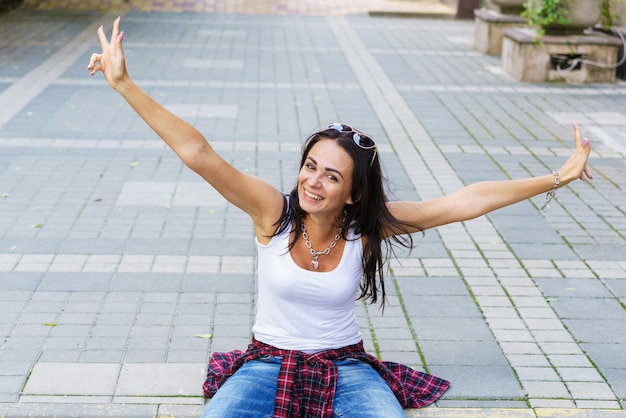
point(111, 61)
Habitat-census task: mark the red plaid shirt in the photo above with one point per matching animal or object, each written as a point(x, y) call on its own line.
point(306, 382)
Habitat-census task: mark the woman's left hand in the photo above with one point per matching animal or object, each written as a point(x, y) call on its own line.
point(576, 166)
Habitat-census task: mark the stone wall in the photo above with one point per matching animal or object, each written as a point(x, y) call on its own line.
point(9, 4)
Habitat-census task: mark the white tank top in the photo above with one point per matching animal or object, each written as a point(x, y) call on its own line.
point(298, 309)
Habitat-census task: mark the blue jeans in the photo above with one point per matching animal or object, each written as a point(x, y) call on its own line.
point(249, 393)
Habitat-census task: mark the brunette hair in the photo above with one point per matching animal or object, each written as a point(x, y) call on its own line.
point(368, 215)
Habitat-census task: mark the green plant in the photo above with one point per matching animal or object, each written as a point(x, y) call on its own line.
point(607, 14)
point(542, 13)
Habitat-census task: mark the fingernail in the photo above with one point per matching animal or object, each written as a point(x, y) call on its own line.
point(573, 122)
point(121, 36)
point(586, 142)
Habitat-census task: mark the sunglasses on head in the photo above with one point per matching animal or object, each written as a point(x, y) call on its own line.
point(362, 140)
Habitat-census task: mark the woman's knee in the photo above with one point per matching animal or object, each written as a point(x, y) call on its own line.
point(250, 392)
point(362, 392)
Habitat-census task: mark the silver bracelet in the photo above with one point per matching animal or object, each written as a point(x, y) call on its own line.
point(551, 193)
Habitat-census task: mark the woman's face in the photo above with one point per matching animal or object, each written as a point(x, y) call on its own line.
point(325, 179)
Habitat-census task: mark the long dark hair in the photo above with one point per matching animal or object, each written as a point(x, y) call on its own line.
point(369, 215)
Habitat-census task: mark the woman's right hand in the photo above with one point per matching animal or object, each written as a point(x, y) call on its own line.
point(111, 61)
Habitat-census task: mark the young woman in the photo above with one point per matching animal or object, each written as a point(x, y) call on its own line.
point(319, 247)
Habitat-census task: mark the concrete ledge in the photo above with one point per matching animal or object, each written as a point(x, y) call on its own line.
point(488, 29)
point(526, 58)
point(414, 9)
point(171, 410)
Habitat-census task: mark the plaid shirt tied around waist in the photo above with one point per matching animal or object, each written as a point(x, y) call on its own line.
point(306, 382)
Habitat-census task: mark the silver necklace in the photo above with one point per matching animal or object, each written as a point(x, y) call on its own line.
point(316, 254)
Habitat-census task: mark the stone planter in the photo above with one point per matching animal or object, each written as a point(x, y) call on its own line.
point(527, 60)
point(492, 19)
point(582, 14)
point(488, 29)
point(510, 7)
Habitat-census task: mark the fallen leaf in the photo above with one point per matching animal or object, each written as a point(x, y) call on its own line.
point(98, 199)
point(5, 195)
point(49, 324)
point(36, 225)
point(134, 164)
point(204, 336)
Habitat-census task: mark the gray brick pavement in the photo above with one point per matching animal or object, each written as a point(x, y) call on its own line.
point(118, 264)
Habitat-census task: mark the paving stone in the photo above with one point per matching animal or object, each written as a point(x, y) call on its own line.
point(452, 306)
point(465, 329)
point(80, 379)
point(617, 286)
point(462, 353)
point(68, 281)
point(596, 331)
point(551, 404)
point(537, 373)
point(609, 407)
point(161, 379)
point(480, 382)
point(27, 281)
point(595, 308)
point(591, 390)
point(548, 390)
point(11, 384)
point(569, 360)
point(617, 380)
point(586, 374)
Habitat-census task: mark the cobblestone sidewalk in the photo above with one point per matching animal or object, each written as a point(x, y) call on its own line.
point(120, 270)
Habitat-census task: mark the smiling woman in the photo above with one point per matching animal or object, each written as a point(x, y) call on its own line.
point(321, 247)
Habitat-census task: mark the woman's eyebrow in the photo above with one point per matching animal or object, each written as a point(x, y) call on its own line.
point(334, 170)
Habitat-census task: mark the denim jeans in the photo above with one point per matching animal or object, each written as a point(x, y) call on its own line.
point(249, 393)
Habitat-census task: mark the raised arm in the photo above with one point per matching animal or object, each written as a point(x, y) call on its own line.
point(481, 198)
point(254, 196)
